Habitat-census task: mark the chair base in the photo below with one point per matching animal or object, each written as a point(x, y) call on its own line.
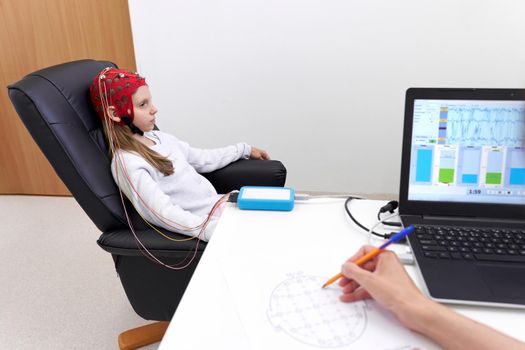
point(141, 336)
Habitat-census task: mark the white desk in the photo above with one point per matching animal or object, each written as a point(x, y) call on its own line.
point(206, 317)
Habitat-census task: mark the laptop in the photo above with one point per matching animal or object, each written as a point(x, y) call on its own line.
point(463, 189)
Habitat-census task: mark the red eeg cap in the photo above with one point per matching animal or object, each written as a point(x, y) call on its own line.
point(118, 85)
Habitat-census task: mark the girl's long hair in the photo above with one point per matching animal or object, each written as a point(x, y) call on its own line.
point(123, 139)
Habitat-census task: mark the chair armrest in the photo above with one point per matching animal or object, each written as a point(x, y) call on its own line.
point(231, 177)
point(121, 242)
point(248, 173)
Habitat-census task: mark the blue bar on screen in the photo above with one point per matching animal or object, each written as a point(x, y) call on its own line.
point(423, 165)
point(517, 176)
point(469, 178)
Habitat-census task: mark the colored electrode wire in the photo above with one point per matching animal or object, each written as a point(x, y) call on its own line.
point(149, 254)
point(114, 147)
point(161, 218)
point(167, 221)
point(139, 243)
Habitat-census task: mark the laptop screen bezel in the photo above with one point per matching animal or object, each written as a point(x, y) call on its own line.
point(448, 208)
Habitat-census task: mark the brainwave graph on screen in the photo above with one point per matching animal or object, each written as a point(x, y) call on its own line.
point(480, 126)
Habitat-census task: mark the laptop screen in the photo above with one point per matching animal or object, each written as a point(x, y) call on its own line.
point(469, 151)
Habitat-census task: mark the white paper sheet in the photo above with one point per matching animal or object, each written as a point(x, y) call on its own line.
point(282, 306)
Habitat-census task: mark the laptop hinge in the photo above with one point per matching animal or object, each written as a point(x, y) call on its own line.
point(472, 219)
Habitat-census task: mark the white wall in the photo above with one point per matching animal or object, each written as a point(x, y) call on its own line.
point(320, 84)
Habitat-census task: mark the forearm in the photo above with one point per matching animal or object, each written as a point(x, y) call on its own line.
point(208, 160)
point(454, 331)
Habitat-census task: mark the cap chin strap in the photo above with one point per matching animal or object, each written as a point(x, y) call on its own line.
point(134, 129)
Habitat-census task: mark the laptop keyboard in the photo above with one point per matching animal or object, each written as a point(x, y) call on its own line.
point(471, 243)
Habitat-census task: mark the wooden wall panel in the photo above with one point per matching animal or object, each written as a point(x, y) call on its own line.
point(35, 34)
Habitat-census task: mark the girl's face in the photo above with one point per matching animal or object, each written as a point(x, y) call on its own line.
point(143, 109)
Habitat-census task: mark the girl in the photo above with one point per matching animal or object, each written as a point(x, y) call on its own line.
point(156, 171)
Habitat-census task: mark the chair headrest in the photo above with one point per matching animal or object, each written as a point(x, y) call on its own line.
point(54, 105)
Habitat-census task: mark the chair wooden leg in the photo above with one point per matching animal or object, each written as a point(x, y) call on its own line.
point(142, 336)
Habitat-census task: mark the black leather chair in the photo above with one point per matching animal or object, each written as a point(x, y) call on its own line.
point(54, 105)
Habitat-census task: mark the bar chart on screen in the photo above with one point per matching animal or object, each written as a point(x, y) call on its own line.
point(469, 165)
point(516, 169)
point(493, 160)
point(424, 164)
point(468, 150)
point(447, 165)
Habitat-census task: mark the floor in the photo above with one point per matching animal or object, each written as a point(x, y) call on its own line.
point(58, 289)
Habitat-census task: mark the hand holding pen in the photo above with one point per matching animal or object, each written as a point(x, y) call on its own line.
point(384, 279)
point(374, 252)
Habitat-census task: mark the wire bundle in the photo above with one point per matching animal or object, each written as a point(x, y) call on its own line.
point(114, 149)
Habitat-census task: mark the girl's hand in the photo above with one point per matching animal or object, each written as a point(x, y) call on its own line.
point(259, 154)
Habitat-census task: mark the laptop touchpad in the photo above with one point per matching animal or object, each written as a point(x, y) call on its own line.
point(504, 281)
